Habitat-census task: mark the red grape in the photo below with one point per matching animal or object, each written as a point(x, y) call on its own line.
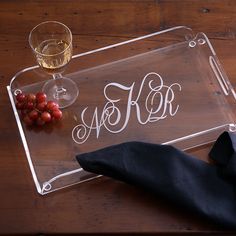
point(52, 105)
point(20, 97)
point(29, 105)
point(31, 97)
point(24, 112)
point(57, 114)
point(39, 121)
point(46, 116)
point(20, 105)
point(41, 106)
point(33, 115)
point(41, 97)
point(27, 120)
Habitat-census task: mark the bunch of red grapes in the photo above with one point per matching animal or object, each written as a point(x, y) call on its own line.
point(36, 110)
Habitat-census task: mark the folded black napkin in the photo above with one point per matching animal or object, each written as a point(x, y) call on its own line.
point(207, 189)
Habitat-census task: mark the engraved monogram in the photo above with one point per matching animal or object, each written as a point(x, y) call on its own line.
point(158, 104)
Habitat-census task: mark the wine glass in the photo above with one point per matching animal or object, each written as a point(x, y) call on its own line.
point(51, 42)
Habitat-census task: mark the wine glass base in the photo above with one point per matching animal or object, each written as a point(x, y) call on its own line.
point(63, 91)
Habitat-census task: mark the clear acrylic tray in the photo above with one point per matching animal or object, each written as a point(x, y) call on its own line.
point(167, 87)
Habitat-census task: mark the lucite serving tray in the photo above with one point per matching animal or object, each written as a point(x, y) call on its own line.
point(167, 87)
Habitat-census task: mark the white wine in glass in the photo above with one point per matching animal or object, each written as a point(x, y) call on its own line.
point(51, 42)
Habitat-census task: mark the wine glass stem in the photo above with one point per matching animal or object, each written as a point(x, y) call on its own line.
point(60, 90)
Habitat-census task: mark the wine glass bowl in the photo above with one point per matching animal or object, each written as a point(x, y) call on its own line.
point(51, 42)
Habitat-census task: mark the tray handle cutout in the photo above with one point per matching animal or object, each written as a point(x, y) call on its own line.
point(216, 69)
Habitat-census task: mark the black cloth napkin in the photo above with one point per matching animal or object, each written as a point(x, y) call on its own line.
point(207, 189)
